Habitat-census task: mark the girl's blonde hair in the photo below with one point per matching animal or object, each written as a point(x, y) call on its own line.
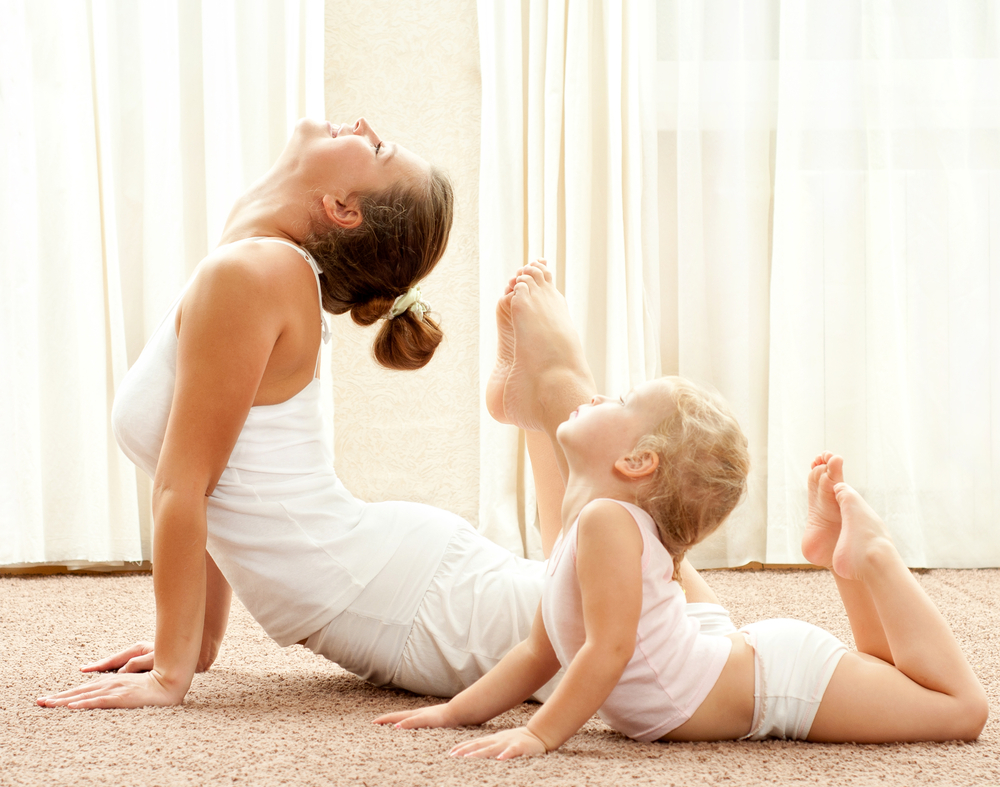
point(702, 472)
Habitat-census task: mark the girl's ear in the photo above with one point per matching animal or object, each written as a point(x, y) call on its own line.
point(344, 214)
point(638, 467)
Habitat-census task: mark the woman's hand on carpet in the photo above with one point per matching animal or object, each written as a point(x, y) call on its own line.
point(504, 745)
point(138, 690)
point(138, 658)
point(434, 716)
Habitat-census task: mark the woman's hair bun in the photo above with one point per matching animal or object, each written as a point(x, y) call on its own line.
point(406, 342)
point(372, 311)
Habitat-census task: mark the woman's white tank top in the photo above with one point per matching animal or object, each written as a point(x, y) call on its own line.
point(294, 544)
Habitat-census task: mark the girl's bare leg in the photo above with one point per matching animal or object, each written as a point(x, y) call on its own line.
point(537, 393)
point(696, 590)
point(549, 487)
point(931, 693)
point(818, 545)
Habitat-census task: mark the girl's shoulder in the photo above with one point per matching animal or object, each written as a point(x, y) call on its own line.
point(606, 518)
point(614, 509)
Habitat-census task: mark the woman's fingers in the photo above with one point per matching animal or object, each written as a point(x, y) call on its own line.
point(72, 702)
point(120, 691)
point(118, 660)
point(139, 664)
point(95, 688)
point(67, 695)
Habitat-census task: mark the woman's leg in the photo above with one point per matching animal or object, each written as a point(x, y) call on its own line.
point(931, 693)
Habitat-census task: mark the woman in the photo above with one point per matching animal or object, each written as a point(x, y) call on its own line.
point(222, 409)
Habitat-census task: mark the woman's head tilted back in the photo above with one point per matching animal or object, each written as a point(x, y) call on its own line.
point(702, 470)
point(380, 232)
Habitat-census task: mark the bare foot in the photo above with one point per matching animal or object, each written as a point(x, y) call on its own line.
point(505, 359)
point(863, 534)
point(823, 525)
point(548, 357)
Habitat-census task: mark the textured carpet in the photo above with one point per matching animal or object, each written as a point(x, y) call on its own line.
point(264, 715)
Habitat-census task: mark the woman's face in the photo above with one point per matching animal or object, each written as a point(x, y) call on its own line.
point(349, 160)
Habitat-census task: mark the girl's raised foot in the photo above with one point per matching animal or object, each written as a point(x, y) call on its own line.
point(863, 536)
point(823, 523)
point(505, 359)
point(548, 357)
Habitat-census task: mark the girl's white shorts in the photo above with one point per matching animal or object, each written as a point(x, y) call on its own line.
point(793, 664)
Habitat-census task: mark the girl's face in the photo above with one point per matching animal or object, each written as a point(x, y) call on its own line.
point(605, 430)
point(350, 160)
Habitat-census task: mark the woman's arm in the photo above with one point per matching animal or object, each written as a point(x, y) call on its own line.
point(218, 599)
point(608, 567)
point(228, 324)
point(140, 657)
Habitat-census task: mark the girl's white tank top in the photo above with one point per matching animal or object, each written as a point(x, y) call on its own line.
point(294, 544)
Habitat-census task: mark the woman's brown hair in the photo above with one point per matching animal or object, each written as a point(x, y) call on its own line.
point(702, 470)
point(402, 235)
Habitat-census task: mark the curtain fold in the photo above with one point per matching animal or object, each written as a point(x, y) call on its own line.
point(884, 333)
point(821, 208)
point(126, 131)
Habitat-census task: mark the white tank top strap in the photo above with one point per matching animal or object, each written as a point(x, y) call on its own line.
point(326, 334)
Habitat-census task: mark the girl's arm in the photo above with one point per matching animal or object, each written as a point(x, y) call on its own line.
point(609, 570)
point(523, 671)
point(231, 317)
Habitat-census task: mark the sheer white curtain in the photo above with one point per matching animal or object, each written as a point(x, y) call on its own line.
point(825, 176)
point(885, 290)
point(567, 124)
point(126, 130)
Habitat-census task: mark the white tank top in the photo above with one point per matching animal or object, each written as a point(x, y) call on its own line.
point(294, 544)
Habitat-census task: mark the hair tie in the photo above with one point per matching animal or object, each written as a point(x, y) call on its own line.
point(410, 301)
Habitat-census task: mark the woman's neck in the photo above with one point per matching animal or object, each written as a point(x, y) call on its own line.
point(274, 206)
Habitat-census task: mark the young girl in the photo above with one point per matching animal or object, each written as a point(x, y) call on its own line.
point(650, 475)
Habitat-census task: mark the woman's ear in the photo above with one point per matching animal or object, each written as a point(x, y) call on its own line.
point(344, 214)
point(638, 466)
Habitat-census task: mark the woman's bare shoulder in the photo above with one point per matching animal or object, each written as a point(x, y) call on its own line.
point(251, 264)
point(264, 275)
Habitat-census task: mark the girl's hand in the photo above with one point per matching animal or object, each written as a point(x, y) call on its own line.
point(434, 716)
point(138, 690)
point(138, 658)
point(505, 745)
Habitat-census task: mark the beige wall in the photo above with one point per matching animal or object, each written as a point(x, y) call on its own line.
point(412, 69)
